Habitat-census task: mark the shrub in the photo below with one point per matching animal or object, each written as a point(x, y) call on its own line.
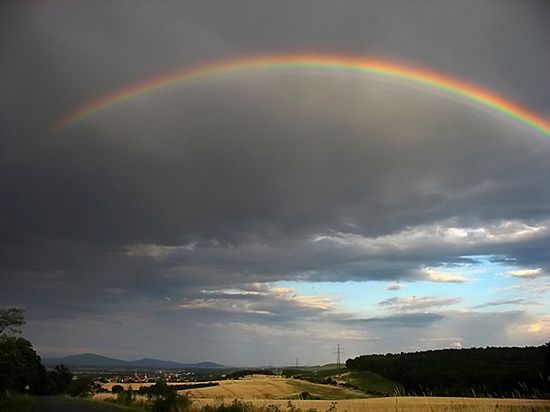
point(80, 387)
point(61, 377)
point(20, 367)
point(165, 398)
point(117, 389)
point(126, 397)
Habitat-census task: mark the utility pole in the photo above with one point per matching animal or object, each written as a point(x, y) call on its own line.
point(296, 362)
point(339, 351)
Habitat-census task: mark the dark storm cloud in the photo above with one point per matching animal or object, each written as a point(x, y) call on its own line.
point(242, 199)
point(249, 180)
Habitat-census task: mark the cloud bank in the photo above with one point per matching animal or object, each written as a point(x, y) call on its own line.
point(172, 219)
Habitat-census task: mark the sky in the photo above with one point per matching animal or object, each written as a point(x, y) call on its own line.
point(263, 216)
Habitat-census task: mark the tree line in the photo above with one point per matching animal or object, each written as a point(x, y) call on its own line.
point(21, 369)
point(491, 371)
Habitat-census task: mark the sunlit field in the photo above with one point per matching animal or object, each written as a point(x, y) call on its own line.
point(261, 388)
point(398, 404)
point(259, 392)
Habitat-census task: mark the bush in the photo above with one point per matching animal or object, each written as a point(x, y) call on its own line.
point(117, 389)
point(21, 368)
point(165, 398)
point(81, 387)
point(126, 397)
point(61, 377)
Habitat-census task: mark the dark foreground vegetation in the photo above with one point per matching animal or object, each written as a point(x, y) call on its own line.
point(22, 374)
point(501, 372)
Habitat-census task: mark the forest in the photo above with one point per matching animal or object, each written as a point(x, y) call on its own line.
point(491, 371)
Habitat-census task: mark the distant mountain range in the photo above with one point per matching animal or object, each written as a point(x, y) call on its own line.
point(93, 360)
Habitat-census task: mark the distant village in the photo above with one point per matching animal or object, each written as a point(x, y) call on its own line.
point(144, 376)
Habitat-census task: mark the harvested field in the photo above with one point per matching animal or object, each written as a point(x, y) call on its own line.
point(274, 390)
point(392, 404)
point(261, 387)
point(403, 404)
point(272, 387)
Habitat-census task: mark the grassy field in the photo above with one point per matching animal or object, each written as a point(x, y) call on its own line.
point(366, 381)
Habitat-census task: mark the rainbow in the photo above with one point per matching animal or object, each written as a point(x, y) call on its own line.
point(336, 63)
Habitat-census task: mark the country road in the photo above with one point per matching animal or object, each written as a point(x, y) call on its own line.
point(63, 404)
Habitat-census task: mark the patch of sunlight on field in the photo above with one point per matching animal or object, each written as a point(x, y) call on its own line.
point(271, 387)
point(260, 387)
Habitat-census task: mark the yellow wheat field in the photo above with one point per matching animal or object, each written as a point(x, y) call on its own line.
point(400, 404)
point(260, 387)
point(273, 390)
point(271, 387)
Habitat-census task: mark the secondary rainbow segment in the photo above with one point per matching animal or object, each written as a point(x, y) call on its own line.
point(334, 63)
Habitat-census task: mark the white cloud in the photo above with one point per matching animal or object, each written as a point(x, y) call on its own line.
point(436, 276)
point(537, 326)
point(441, 233)
point(269, 301)
point(502, 232)
point(526, 273)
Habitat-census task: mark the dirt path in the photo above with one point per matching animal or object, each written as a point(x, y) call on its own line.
point(62, 404)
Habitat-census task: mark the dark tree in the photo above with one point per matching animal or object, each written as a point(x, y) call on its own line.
point(81, 387)
point(11, 319)
point(165, 398)
point(21, 368)
point(61, 377)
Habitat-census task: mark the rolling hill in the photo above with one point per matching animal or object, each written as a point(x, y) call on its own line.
point(98, 361)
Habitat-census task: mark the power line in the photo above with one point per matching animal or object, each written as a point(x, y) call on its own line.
point(339, 351)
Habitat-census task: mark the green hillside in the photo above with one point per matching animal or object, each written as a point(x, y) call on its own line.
point(369, 382)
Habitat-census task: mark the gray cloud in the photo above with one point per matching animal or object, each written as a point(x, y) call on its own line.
point(406, 320)
point(500, 302)
point(239, 182)
point(416, 303)
point(395, 286)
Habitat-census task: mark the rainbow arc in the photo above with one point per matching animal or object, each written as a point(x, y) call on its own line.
point(345, 64)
